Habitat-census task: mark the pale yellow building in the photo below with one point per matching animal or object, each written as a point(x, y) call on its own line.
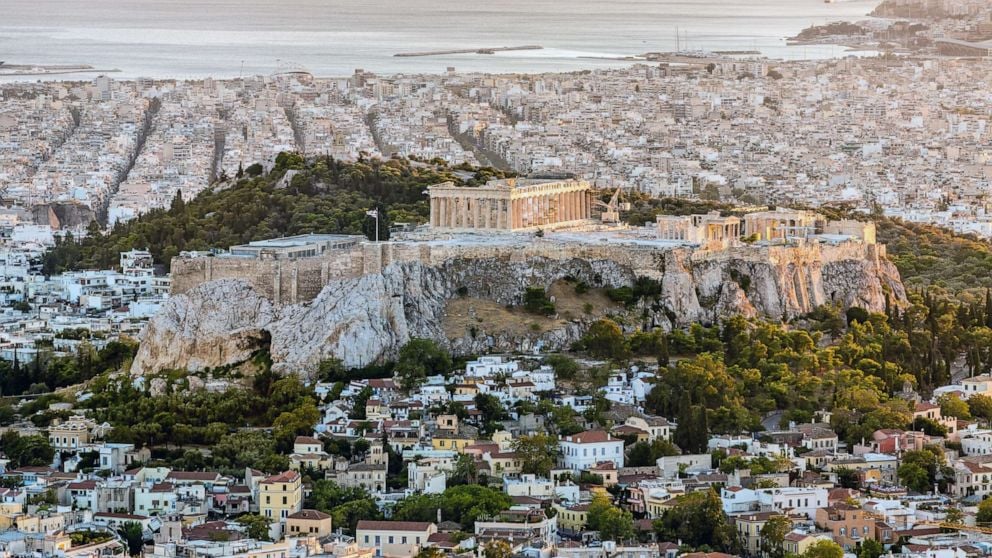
point(308, 523)
point(71, 434)
point(451, 441)
point(280, 496)
point(394, 539)
point(572, 518)
point(41, 523)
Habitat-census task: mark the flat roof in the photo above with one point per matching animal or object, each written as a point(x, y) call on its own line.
point(299, 240)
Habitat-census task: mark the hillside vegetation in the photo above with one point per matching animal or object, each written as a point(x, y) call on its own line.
point(297, 197)
point(929, 256)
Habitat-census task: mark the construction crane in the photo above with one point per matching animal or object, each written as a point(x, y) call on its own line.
point(956, 526)
point(612, 209)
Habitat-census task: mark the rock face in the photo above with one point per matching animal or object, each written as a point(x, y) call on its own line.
point(367, 318)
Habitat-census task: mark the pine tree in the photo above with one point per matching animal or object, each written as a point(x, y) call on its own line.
point(178, 204)
point(988, 307)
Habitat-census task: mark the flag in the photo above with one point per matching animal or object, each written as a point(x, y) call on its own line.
point(373, 213)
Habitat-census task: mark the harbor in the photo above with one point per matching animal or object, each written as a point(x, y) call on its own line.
point(49, 69)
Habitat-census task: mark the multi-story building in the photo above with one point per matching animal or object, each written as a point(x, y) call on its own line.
point(848, 525)
point(585, 450)
point(280, 496)
point(394, 539)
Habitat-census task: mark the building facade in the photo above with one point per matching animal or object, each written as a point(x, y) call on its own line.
point(510, 204)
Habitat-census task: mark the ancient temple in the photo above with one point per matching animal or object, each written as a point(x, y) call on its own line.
point(510, 204)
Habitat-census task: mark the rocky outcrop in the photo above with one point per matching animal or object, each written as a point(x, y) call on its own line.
point(224, 323)
point(365, 319)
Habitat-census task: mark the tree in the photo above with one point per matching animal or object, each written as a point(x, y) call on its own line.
point(914, 477)
point(953, 406)
point(824, 549)
point(348, 515)
point(358, 403)
point(980, 406)
point(565, 368)
point(536, 301)
point(697, 519)
point(773, 536)
point(466, 471)
point(870, 548)
point(929, 427)
point(497, 548)
point(248, 448)
point(463, 503)
point(490, 407)
point(290, 424)
point(848, 478)
point(644, 454)
point(612, 523)
point(25, 451)
point(420, 358)
point(256, 526)
point(692, 432)
point(605, 340)
point(984, 516)
point(133, 534)
point(431, 552)
point(920, 469)
point(537, 453)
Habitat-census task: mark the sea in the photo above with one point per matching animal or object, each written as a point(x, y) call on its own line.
point(229, 38)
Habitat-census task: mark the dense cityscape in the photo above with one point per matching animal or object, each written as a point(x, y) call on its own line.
point(695, 305)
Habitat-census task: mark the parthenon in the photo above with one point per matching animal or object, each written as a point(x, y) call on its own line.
point(510, 204)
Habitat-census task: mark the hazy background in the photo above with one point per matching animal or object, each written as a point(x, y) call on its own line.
point(188, 38)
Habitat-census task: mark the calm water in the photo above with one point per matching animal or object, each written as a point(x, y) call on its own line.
point(196, 38)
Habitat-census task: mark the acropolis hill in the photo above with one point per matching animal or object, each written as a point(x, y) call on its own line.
point(321, 296)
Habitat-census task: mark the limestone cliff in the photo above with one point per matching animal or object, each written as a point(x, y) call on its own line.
point(367, 317)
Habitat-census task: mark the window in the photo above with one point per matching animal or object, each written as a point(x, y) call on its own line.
point(403, 540)
point(377, 539)
point(390, 539)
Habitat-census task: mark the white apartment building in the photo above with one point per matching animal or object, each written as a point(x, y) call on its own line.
point(793, 500)
point(585, 450)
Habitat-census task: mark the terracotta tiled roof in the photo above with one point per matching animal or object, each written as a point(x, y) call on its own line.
point(368, 525)
point(589, 437)
point(309, 515)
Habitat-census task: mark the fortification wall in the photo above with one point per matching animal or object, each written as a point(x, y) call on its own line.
point(301, 280)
